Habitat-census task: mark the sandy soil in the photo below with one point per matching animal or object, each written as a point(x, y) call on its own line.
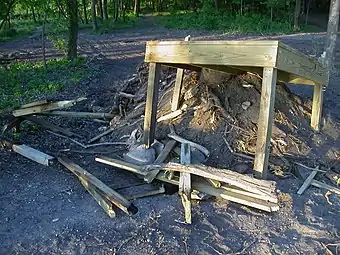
point(45, 210)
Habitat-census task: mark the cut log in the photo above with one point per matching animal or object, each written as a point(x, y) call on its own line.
point(115, 198)
point(185, 182)
point(200, 185)
point(46, 107)
point(33, 154)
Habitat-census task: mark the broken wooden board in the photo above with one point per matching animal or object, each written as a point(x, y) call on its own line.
point(46, 107)
point(185, 182)
point(150, 176)
point(49, 126)
point(307, 182)
point(93, 115)
point(322, 185)
point(200, 185)
point(115, 198)
point(33, 154)
point(102, 201)
point(247, 183)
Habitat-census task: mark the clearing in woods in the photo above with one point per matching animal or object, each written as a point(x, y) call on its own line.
point(45, 210)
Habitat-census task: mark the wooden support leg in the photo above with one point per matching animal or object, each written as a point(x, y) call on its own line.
point(265, 122)
point(178, 86)
point(317, 107)
point(185, 182)
point(151, 104)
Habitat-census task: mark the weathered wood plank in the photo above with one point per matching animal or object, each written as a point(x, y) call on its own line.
point(33, 154)
point(301, 65)
point(95, 115)
point(307, 182)
point(151, 104)
point(247, 183)
point(50, 126)
point(185, 182)
point(40, 102)
point(200, 185)
point(46, 107)
point(115, 198)
point(178, 86)
point(241, 53)
point(265, 122)
point(322, 185)
point(102, 201)
point(317, 107)
point(150, 176)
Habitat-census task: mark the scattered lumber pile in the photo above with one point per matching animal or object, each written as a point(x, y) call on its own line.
point(205, 119)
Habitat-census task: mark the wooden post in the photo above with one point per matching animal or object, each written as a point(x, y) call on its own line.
point(151, 104)
point(185, 182)
point(317, 106)
point(265, 122)
point(178, 85)
point(332, 29)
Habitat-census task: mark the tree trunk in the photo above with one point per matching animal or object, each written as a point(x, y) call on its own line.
point(73, 29)
point(297, 15)
point(117, 10)
point(137, 8)
point(94, 15)
point(33, 15)
point(100, 8)
point(43, 41)
point(85, 13)
point(106, 16)
point(332, 29)
point(307, 12)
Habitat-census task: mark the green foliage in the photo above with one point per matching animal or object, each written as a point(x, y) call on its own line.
point(22, 82)
point(210, 19)
point(19, 28)
point(110, 25)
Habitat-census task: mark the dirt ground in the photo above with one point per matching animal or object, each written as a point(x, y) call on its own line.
point(45, 210)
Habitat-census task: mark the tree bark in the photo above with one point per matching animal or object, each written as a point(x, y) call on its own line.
point(106, 16)
point(73, 29)
point(297, 15)
point(85, 13)
point(137, 8)
point(332, 29)
point(94, 15)
point(100, 8)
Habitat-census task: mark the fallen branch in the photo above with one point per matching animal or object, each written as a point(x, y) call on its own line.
point(322, 185)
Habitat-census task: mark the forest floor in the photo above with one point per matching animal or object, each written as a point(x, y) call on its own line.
point(45, 210)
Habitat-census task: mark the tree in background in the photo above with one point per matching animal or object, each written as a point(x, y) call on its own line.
point(94, 15)
point(297, 15)
point(73, 29)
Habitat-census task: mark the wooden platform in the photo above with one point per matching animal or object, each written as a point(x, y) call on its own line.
point(273, 60)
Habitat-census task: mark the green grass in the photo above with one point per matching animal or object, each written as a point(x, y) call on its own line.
point(19, 28)
point(106, 26)
point(251, 23)
point(22, 82)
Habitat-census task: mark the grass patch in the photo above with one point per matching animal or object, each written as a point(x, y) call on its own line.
point(22, 82)
point(250, 23)
point(106, 26)
point(19, 28)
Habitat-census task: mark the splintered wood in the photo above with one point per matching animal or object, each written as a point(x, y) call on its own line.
point(235, 187)
point(185, 182)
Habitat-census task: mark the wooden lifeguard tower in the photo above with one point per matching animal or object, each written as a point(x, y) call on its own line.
point(273, 60)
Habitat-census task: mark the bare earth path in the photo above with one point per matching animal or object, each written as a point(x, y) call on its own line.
point(45, 210)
